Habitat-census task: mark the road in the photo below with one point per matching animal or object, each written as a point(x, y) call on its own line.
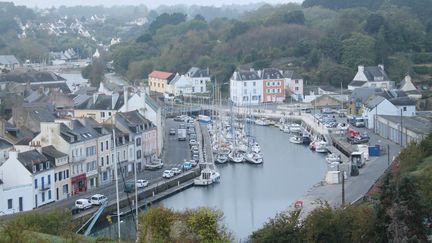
point(173, 155)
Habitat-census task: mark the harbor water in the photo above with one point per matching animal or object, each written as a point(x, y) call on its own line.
point(249, 195)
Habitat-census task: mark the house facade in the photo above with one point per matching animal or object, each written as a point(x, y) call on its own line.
point(158, 81)
point(16, 186)
point(408, 87)
point(273, 85)
point(199, 78)
point(8, 62)
point(246, 88)
point(374, 77)
point(294, 84)
point(62, 181)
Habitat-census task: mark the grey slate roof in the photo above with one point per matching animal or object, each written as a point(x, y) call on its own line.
point(362, 94)
point(374, 72)
point(134, 121)
point(271, 73)
point(5, 144)
point(357, 83)
point(417, 124)
point(29, 158)
point(78, 133)
point(8, 60)
point(30, 76)
point(103, 102)
point(292, 75)
point(51, 152)
point(195, 72)
point(152, 103)
point(374, 101)
point(63, 87)
point(403, 101)
point(243, 75)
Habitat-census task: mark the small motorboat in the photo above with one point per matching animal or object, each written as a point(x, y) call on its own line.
point(295, 128)
point(321, 147)
point(221, 158)
point(262, 122)
point(256, 148)
point(236, 157)
point(254, 158)
point(208, 176)
point(296, 140)
point(333, 158)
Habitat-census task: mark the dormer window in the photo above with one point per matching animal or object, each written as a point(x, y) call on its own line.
point(34, 169)
point(41, 166)
point(47, 165)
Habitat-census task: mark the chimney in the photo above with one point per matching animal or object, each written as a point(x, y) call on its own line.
point(381, 66)
point(360, 68)
point(126, 98)
point(13, 154)
point(114, 99)
point(95, 96)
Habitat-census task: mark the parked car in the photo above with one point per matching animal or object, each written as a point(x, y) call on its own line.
point(193, 142)
point(195, 151)
point(178, 118)
point(142, 183)
point(195, 157)
point(187, 165)
point(175, 171)
point(98, 199)
point(195, 147)
point(167, 174)
point(193, 136)
point(172, 131)
point(83, 203)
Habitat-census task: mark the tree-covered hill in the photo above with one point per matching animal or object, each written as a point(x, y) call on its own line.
point(323, 40)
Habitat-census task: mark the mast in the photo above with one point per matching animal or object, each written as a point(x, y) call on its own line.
point(116, 181)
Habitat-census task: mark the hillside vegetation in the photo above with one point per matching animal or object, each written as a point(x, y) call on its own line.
point(323, 40)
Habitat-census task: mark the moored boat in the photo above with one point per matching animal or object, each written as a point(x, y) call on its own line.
point(208, 176)
point(296, 140)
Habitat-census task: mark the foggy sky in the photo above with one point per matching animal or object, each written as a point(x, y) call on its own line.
point(150, 4)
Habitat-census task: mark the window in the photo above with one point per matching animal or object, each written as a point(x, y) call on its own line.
point(65, 189)
point(202, 89)
point(43, 196)
point(109, 114)
point(101, 146)
point(49, 194)
point(47, 165)
point(102, 114)
point(49, 179)
point(254, 91)
point(106, 145)
point(34, 169)
point(296, 88)
point(254, 83)
point(107, 160)
point(55, 177)
point(404, 109)
point(35, 183)
point(67, 174)
point(244, 84)
point(139, 154)
point(41, 166)
point(60, 176)
point(9, 203)
point(138, 142)
point(296, 81)
point(88, 166)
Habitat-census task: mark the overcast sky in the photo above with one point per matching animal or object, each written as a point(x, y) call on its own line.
point(151, 4)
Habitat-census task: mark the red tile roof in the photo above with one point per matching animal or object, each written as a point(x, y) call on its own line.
point(160, 74)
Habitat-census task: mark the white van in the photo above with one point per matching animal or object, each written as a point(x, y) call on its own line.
point(98, 199)
point(83, 203)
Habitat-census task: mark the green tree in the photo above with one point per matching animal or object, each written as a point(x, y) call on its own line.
point(358, 49)
point(334, 74)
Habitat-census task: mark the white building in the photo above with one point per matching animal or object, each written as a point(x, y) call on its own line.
point(16, 187)
point(408, 87)
point(246, 88)
point(379, 105)
point(194, 81)
point(5, 147)
point(374, 77)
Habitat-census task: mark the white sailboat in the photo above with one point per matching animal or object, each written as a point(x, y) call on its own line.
point(254, 158)
point(221, 158)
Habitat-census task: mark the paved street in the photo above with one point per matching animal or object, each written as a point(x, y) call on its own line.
point(355, 187)
point(173, 156)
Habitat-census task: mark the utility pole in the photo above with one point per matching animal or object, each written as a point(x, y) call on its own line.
point(343, 188)
point(388, 154)
point(401, 130)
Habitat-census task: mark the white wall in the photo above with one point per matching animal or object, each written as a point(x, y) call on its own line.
point(410, 110)
point(384, 108)
point(238, 90)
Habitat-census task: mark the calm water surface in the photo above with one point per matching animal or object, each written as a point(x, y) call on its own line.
point(248, 195)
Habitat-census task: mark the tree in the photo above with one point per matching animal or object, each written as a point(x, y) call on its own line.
point(374, 23)
point(284, 227)
point(139, 70)
point(358, 49)
point(334, 74)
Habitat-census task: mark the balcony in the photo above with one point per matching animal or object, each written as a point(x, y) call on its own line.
point(45, 187)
